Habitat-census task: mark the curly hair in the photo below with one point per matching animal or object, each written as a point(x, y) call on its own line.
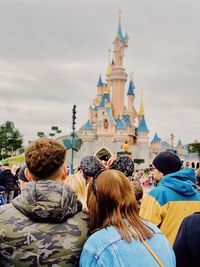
point(44, 157)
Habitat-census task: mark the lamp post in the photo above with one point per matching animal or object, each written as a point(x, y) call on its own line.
point(75, 143)
point(73, 136)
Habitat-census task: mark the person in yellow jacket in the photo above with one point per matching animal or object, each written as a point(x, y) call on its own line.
point(175, 197)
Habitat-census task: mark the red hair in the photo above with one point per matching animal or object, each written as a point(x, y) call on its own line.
point(115, 204)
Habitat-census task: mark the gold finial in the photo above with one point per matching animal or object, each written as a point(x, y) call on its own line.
point(108, 71)
point(141, 111)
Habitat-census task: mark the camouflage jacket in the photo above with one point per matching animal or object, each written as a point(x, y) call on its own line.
point(44, 226)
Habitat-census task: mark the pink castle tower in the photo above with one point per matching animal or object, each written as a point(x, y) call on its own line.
point(118, 76)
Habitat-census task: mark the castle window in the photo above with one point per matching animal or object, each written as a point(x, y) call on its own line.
point(105, 124)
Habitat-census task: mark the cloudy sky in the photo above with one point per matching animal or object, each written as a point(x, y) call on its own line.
point(52, 51)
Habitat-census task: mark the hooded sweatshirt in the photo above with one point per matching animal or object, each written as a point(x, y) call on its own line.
point(175, 197)
point(43, 226)
point(7, 179)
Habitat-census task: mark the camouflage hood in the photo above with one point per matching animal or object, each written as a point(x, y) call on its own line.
point(47, 201)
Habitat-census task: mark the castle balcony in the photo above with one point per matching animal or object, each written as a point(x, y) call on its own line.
point(88, 137)
point(118, 73)
point(120, 138)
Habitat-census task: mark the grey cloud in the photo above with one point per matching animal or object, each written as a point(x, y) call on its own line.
point(51, 53)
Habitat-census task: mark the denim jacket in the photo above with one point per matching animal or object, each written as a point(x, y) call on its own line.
point(107, 248)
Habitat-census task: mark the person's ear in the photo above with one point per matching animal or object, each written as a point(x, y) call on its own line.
point(21, 183)
point(64, 173)
point(28, 175)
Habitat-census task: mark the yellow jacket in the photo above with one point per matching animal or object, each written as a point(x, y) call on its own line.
point(168, 204)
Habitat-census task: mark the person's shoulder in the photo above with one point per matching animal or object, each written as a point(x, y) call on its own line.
point(80, 220)
point(102, 239)
point(153, 227)
point(6, 208)
point(162, 194)
point(10, 214)
point(192, 219)
point(58, 242)
point(157, 191)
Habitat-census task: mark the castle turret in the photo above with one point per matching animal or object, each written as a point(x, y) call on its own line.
point(131, 98)
point(179, 147)
point(118, 77)
point(100, 85)
point(142, 134)
point(142, 129)
point(156, 143)
point(155, 140)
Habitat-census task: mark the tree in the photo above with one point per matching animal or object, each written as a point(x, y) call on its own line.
point(194, 148)
point(10, 139)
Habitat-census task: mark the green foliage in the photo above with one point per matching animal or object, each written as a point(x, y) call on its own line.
point(124, 153)
point(194, 148)
point(40, 134)
point(10, 139)
point(54, 128)
point(15, 160)
point(138, 161)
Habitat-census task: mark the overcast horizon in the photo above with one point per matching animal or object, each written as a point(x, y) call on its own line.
point(52, 52)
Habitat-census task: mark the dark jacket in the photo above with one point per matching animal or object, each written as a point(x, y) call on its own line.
point(44, 226)
point(187, 242)
point(7, 179)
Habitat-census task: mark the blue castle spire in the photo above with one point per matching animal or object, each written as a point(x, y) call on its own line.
point(99, 84)
point(131, 88)
point(143, 127)
point(87, 126)
point(179, 144)
point(155, 139)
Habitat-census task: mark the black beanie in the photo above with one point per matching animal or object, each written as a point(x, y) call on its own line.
point(21, 174)
point(167, 162)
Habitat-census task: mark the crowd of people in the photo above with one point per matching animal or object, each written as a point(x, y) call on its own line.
point(100, 215)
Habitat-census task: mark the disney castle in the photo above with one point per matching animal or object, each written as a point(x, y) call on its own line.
point(110, 122)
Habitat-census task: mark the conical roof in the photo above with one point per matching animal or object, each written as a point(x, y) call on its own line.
point(87, 126)
point(179, 144)
point(143, 127)
point(131, 88)
point(155, 139)
point(99, 84)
